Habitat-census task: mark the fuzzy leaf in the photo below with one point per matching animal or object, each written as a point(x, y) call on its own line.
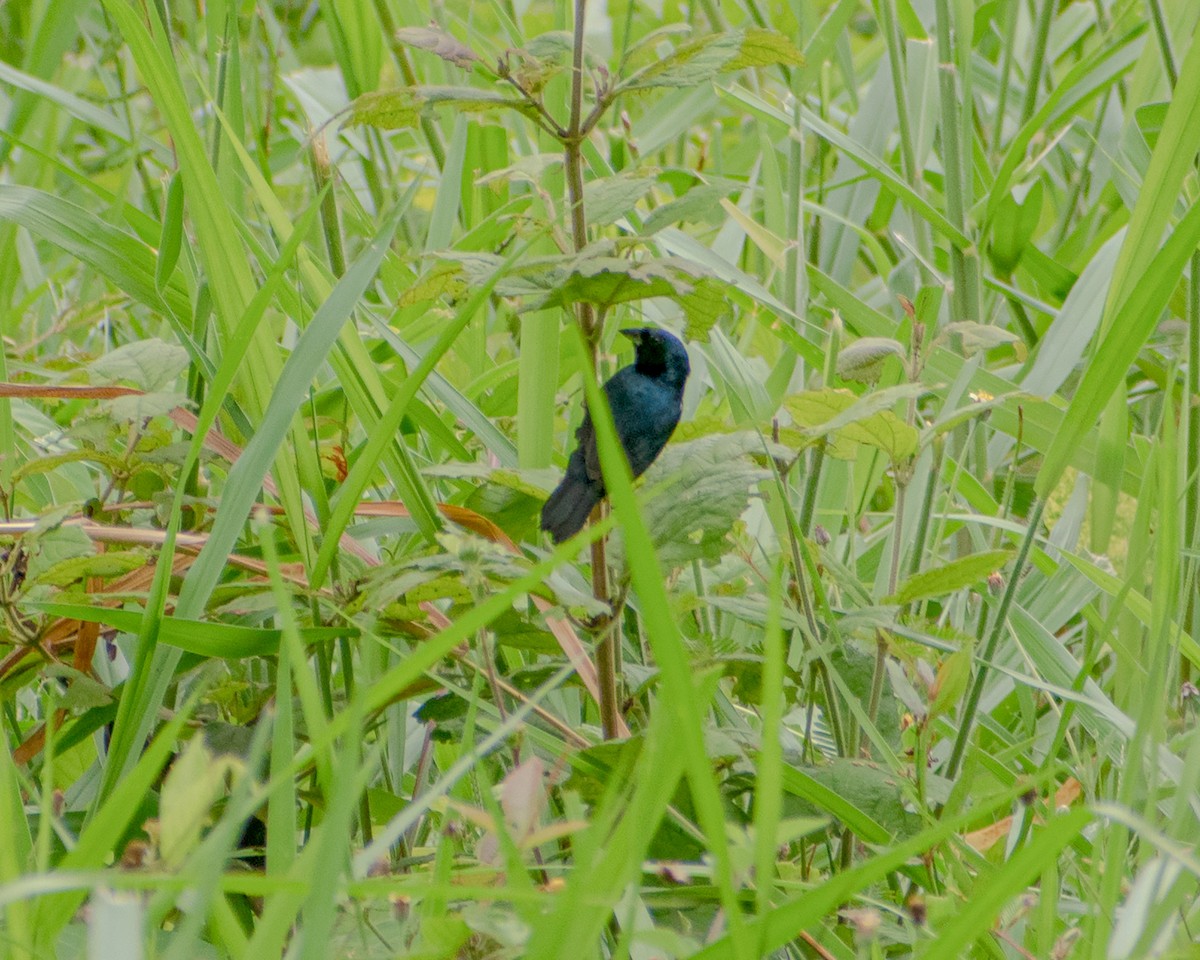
point(437, 41)
point(863, 359)
point(596, 277)
point(964, 572)
point(58, 546)
point(402, 106)
point(608, 199)
point(765, 48)
point(104, 565)
point(700, 489)
point(149, 365)
point(861, 420)
point(699, 60)
point(699, 203)
point(143, 406)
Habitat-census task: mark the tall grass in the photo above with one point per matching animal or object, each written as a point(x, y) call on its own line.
point(892, 653)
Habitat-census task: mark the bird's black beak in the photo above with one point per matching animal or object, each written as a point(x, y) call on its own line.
point(634, 334)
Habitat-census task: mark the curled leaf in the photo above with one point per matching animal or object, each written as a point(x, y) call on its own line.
point(863, 359)
point(437, 41)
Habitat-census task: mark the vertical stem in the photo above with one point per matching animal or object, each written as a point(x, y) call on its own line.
point(889, 22)
point(964, 263)
point(1191, 500)
point(971, 707)
point(1011, 12)
point(606, 660)
point(1038, 60)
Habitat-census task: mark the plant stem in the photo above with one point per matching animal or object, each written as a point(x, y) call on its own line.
point(971, 707)
point(606, 659)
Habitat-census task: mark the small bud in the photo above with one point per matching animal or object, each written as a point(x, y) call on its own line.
point(995, 582)
point(821, 535)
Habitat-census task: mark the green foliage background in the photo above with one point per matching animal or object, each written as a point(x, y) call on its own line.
point(300, 306)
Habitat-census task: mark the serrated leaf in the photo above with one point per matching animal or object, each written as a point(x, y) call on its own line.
point(143, 406)
point(103, 565)
point(701, 489)
point(862, 420)
point(542, 58)
point(699, 60)
point(608, 199)
point(437, 41)
point(610, 280)
point(597, 277)
point(57, 546)
point(765, 48)
point(863, 359)
point(149, 365)
point(964, 572)
point(402, 106)
point(887, 432)
point(700, 203)
point(443, 280)
point(49, 464)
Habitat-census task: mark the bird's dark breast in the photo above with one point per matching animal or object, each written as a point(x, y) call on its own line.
point(645, 412)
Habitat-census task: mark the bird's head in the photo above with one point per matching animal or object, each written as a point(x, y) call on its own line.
point(660, 354)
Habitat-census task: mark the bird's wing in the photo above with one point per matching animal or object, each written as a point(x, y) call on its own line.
point(620, 391)
point(585, 441)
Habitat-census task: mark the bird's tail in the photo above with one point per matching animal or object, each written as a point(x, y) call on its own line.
point(569, 506)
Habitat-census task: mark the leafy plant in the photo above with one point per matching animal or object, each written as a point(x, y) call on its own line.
point(893, 650)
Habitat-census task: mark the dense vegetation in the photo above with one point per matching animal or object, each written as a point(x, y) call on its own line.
point(889, 654)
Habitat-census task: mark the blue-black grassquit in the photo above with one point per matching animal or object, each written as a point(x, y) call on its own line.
point(645, 399)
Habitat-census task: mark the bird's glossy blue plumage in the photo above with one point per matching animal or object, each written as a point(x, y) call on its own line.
point(645, 399)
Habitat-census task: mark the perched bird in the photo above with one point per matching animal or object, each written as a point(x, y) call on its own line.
point(645, 399)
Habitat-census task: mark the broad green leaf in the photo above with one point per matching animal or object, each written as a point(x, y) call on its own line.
point(700, 203)
point(699, 490)
point(403, 106)
point(112, 563)
point(598, 278)
point(146, 364)
point(864, 797)
point(862, 420)
point(699, 60)
point(863, 359)
point(608, 199)
point(955, 575)
point(54, 547)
